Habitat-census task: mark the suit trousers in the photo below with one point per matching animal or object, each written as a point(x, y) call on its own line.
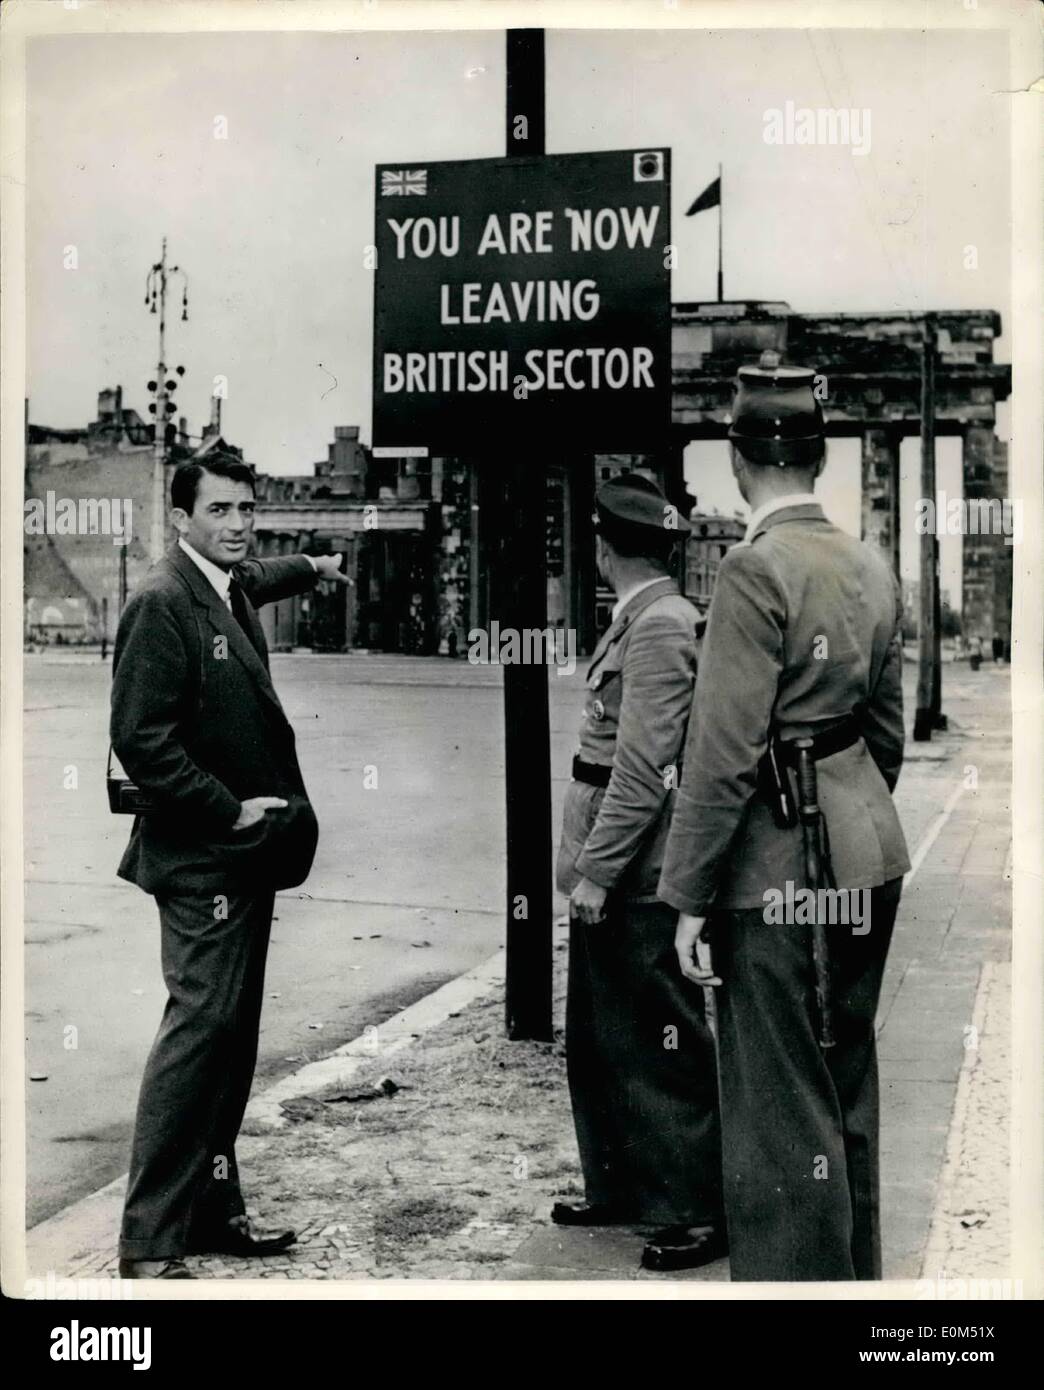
point(799, 1123)
point(184, 1182)
point(641, 1068)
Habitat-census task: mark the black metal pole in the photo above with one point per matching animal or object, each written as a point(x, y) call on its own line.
point(522, 603)
point(524, 128)
point(939, 720)
point(721, 217)
point(927, 646)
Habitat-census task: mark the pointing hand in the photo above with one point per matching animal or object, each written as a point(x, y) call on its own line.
point(328, 567)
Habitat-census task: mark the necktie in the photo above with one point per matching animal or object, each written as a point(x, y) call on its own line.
point(238, 604)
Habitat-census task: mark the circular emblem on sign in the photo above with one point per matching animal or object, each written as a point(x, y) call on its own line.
point(598, 710)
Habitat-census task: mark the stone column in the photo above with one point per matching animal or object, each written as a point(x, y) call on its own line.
point(1003, 557)
point(880, 495)
point(977, 613)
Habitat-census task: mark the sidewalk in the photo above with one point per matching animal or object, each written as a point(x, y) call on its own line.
point(449, 1170)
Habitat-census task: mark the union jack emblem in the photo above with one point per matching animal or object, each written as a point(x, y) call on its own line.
point(399, 182)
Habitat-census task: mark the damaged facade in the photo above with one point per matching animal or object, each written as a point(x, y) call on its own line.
point(421, 536)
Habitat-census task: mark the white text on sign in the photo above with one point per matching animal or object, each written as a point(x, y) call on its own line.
point(528, 234)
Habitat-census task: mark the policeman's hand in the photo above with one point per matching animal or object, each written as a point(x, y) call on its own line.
point(328, 568)
point(693, 952)
point(587, 902)
point(253, 810)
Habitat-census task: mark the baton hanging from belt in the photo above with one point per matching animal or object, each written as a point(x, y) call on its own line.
point(811, 829)
point(710, 1002)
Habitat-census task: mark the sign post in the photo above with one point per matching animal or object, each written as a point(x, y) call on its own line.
point(522, 311)
point(523, 572)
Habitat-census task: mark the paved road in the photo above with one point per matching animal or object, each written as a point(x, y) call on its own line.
point(405, 893)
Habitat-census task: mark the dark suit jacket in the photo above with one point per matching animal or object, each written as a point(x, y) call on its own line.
point(804, 629)
point(196, 722)
point(640, 689)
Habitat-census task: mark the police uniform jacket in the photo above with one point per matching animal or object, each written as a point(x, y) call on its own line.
point(640, 684)
point(803, 629)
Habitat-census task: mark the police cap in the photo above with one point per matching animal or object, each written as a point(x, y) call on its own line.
point(776, 418)
point(634, 501)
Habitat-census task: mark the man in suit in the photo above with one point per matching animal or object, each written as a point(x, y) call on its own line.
point(803, 642)
point(197, 724)
point(641, 1062)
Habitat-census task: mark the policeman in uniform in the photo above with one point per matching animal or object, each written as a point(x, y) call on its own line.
point(802, 643)
point(641, 1060)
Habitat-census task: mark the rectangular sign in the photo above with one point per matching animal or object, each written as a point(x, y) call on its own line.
point(526, 299)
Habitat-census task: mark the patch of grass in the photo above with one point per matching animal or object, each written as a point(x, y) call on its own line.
point(511, 1213)
point(364, 1185)
point(417, 1218)
point(564, 1166)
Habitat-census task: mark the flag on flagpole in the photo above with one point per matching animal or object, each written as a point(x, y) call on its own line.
point(709, 198)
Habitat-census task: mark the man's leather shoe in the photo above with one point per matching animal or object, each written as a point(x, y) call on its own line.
point(684, 1247)
point(239, 1238)
point(155, 1269)
point(590, 1214)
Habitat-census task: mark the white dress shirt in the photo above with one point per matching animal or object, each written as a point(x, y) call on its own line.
point(219, 578)
point(790, 499)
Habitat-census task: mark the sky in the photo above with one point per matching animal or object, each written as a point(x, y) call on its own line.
point(272, 223)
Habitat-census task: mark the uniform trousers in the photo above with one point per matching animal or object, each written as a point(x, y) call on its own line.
point(184, 1182)
point(800, 1124)
point(641, 1068)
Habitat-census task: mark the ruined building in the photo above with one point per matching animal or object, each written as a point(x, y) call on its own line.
point(421, 536)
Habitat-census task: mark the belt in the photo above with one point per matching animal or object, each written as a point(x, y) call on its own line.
point(824, 745)
point(594, 774)
point(832, 741)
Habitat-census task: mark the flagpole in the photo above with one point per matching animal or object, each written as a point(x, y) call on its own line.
point(721, 214)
